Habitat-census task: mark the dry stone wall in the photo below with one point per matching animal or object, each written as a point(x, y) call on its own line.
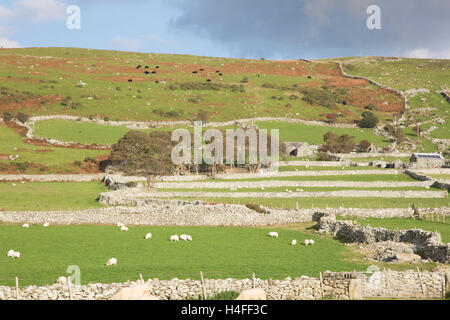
point(428, 244)
point(338, 285)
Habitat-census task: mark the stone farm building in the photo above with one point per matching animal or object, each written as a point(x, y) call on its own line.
point(299, 149)
point(426, 160)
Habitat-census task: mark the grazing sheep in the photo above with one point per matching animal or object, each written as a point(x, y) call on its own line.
point(17, 254)
point(252, 294)
point(26, 225)
point(184, 237)
point(62, 280)
point(148, 236)
point(427, 187)
point(294, 242)
point(273, 234)
point(45, 225)
point(355, 222)
point(124, 228)
point(306, 242)
point(311, 242)
point(189, 237)
point(120, 224)
point(14, 184)
point(262, 188)
point(174, 238)
point(111, 262)
point(10, 253)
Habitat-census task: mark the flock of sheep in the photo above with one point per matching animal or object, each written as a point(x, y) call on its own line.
point(16, 254)
point(174, 238)
point(307, 242)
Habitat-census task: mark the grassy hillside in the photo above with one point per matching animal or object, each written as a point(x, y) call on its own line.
point(237, 88)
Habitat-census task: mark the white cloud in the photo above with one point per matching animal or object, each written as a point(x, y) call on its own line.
point(5, 13)
point(160, 40)
point(129, 44)
point(422, 53)
point(40, 10)
point(6, 43)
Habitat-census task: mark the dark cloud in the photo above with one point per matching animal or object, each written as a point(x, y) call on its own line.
point(317, 28)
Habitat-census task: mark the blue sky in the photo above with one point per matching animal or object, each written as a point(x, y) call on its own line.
point(275, 29)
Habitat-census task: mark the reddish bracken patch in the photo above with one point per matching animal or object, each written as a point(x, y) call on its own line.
point(16, 127)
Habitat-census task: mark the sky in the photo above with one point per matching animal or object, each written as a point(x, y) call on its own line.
point(273, 29)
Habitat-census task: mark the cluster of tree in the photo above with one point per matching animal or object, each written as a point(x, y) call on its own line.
point(22, 117)
point(335, 143)
point(397, 133)
point(150, 155)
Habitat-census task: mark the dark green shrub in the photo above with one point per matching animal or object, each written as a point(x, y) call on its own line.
point(22, 166)
point(22, 117)
point(369, 120)
point(7, 116)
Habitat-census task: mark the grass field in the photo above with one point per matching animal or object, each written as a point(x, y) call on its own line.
point(217, 251)
point(36, 196)
point(314, 134)
point(55, 159)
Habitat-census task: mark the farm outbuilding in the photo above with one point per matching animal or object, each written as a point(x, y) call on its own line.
point(298, 149)
point(426, 160)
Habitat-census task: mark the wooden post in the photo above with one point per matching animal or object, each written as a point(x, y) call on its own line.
point(140, 277)
point(203, 285)
point(421, 283)
point(69, 285)
point(17, 288)
point(254, 281)
point(321, 285)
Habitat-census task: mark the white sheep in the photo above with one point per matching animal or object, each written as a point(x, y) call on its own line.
point(189, 237)
point(294, 242)
point(311, 242)
point(46, 225)
point(273, 234)
point(17, 254)
point(10, 253)
point(26, 225)
point(306, 242)
point(148, 236)
point(262, 188)
point(120, 225)
point(124, 228)
point(174, 238)
point(62, 280)
point(184, 237)
point(111, 262)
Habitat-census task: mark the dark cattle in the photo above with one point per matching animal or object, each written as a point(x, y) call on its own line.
point(220, 74)
point(156, 81)
point(153, 72)
point(138, 67)
point(130, 80)
point(194, 71)
point(208, 80)
point(217, 71)
point(146, 67)
point(309, 77)
point(202, 69)
point(157, 67)
point(146, 72)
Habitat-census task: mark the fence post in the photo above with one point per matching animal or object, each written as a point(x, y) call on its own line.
point(254, 280)
point(141, 278)
point(17, 288)
point(321, 285)
point(203, 285)
point(421, 283)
